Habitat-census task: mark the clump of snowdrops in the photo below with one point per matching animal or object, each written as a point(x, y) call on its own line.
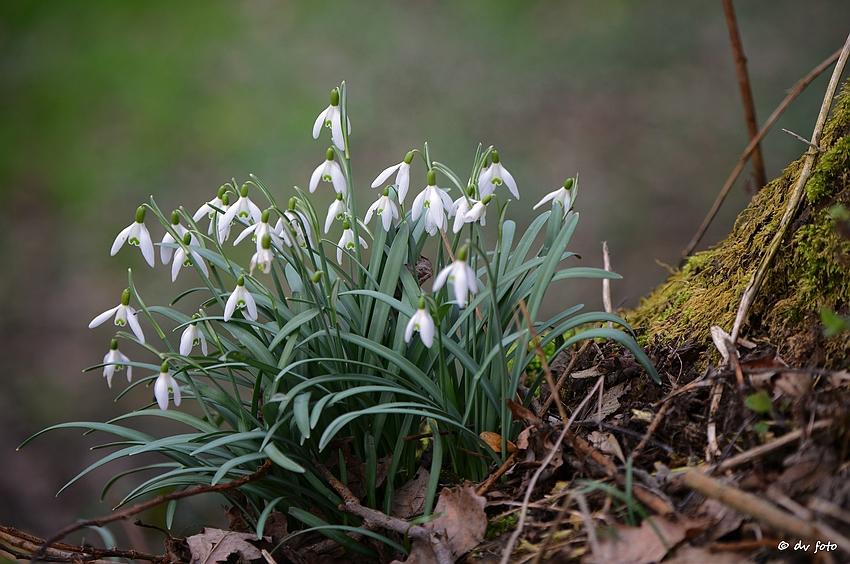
point(341, 326)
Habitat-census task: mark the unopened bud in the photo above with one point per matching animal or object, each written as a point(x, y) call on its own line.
point(175, 218)
point(265, 218)
point(125, 297)
point(292, 201)
point(140, 214)
point(486, 199)
point(569, 183)
point(244, 191)
point(432, 178)
point(225, 200)
point(461, 253)
point(187, 238)
point(113, 344)
point(317, 276)
point(421, 302)
point(329, 155)
point(345, 224)
point(222, 191)
point(408, 158)
point(495, 157)
point(335, 97)
point(164, 367)
point(240, 281)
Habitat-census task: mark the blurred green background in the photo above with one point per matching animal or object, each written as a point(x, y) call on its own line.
point(103, 104)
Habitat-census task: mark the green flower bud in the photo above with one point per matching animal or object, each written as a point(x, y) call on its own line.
point(225, 200)
point(329, 155)
point(125, 297)
point(113, 344)
point(421, 302)
point(292, 201)
point(240, 281)
point(487, 199)
point(408, 158)
point(140, 214)
point(265, 218)
point(266, 241)
point(187, 238)
point(222, 191)
point(164, 367)
point(317, 276)
point(470, 190)
point(569, 183)
point(345, 224)
point(387, 191)
point(495, 157)
point(432, 178)
point(175, 218)
point(461, 253)
point(244, 191)
point(335, 97)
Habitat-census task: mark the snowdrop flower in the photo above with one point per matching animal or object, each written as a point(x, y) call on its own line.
point(124, 315)
point(433, 201)
point(243, 209)
point(385, 208)
point(566, 195)
point(260, 230)
point(115, 360)
point(495, 175)
point(463, 212)
point(460, 275)
point(209, 209)
point(164, 384)
point(263, 257)
point(331, 118)
point(182, 259)
point(136, 234)
point(166, 252)
point(423, 323)
point(294, 223)
point(241, 298)
point(328, 171)
point(402, 178)
point(335, 211)
point(347, 241)
point(192, 336)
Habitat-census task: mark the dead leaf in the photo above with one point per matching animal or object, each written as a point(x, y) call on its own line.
point(409, 499)
point(607, 443)
point(521, 413)
point(639, 545)
point(610, 402)
point(461, 526)
point(215, 545)
point(494, 440)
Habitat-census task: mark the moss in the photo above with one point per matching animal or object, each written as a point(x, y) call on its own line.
point(810, 271)
point(498, 526)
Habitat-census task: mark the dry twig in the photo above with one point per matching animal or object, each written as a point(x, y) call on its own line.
point(795, 199)
point(792, 94)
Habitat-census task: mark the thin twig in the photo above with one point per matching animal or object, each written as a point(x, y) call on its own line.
point(746, 91)
point(792, 94)
point(647, 437)
point(493, 478)
point(761, 450)
point(795, 199)
point(506, 555)
point(606, 283)
point(22, 545)
point(544, 364)
point(804, 140)
point(130, 511)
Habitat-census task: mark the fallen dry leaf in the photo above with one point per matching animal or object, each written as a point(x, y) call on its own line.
point(639, 545)
point(215, 545)
point(494, 440)
point(462, 525)
point(409, 499)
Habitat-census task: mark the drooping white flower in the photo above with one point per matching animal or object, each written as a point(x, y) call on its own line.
point(495, 175)
point(565, 194)
point(402, 178)
point(331, 118)
point(165, 252)
point(240, 298)
point(468, 210)
point(243, 209)
point(385, 208)
point(192, 335)
point(347, 242)
point(294, 223)
point(136, 234)
point(124, 315)
point(164, 384)
point(115, 360)
point(434, 202)
point(423, 323)
point(461, 276)
point(263, 257)
point(260, 230)
point(335, 211)
point(182, 259)
point(329, 171)
point(210, 209)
